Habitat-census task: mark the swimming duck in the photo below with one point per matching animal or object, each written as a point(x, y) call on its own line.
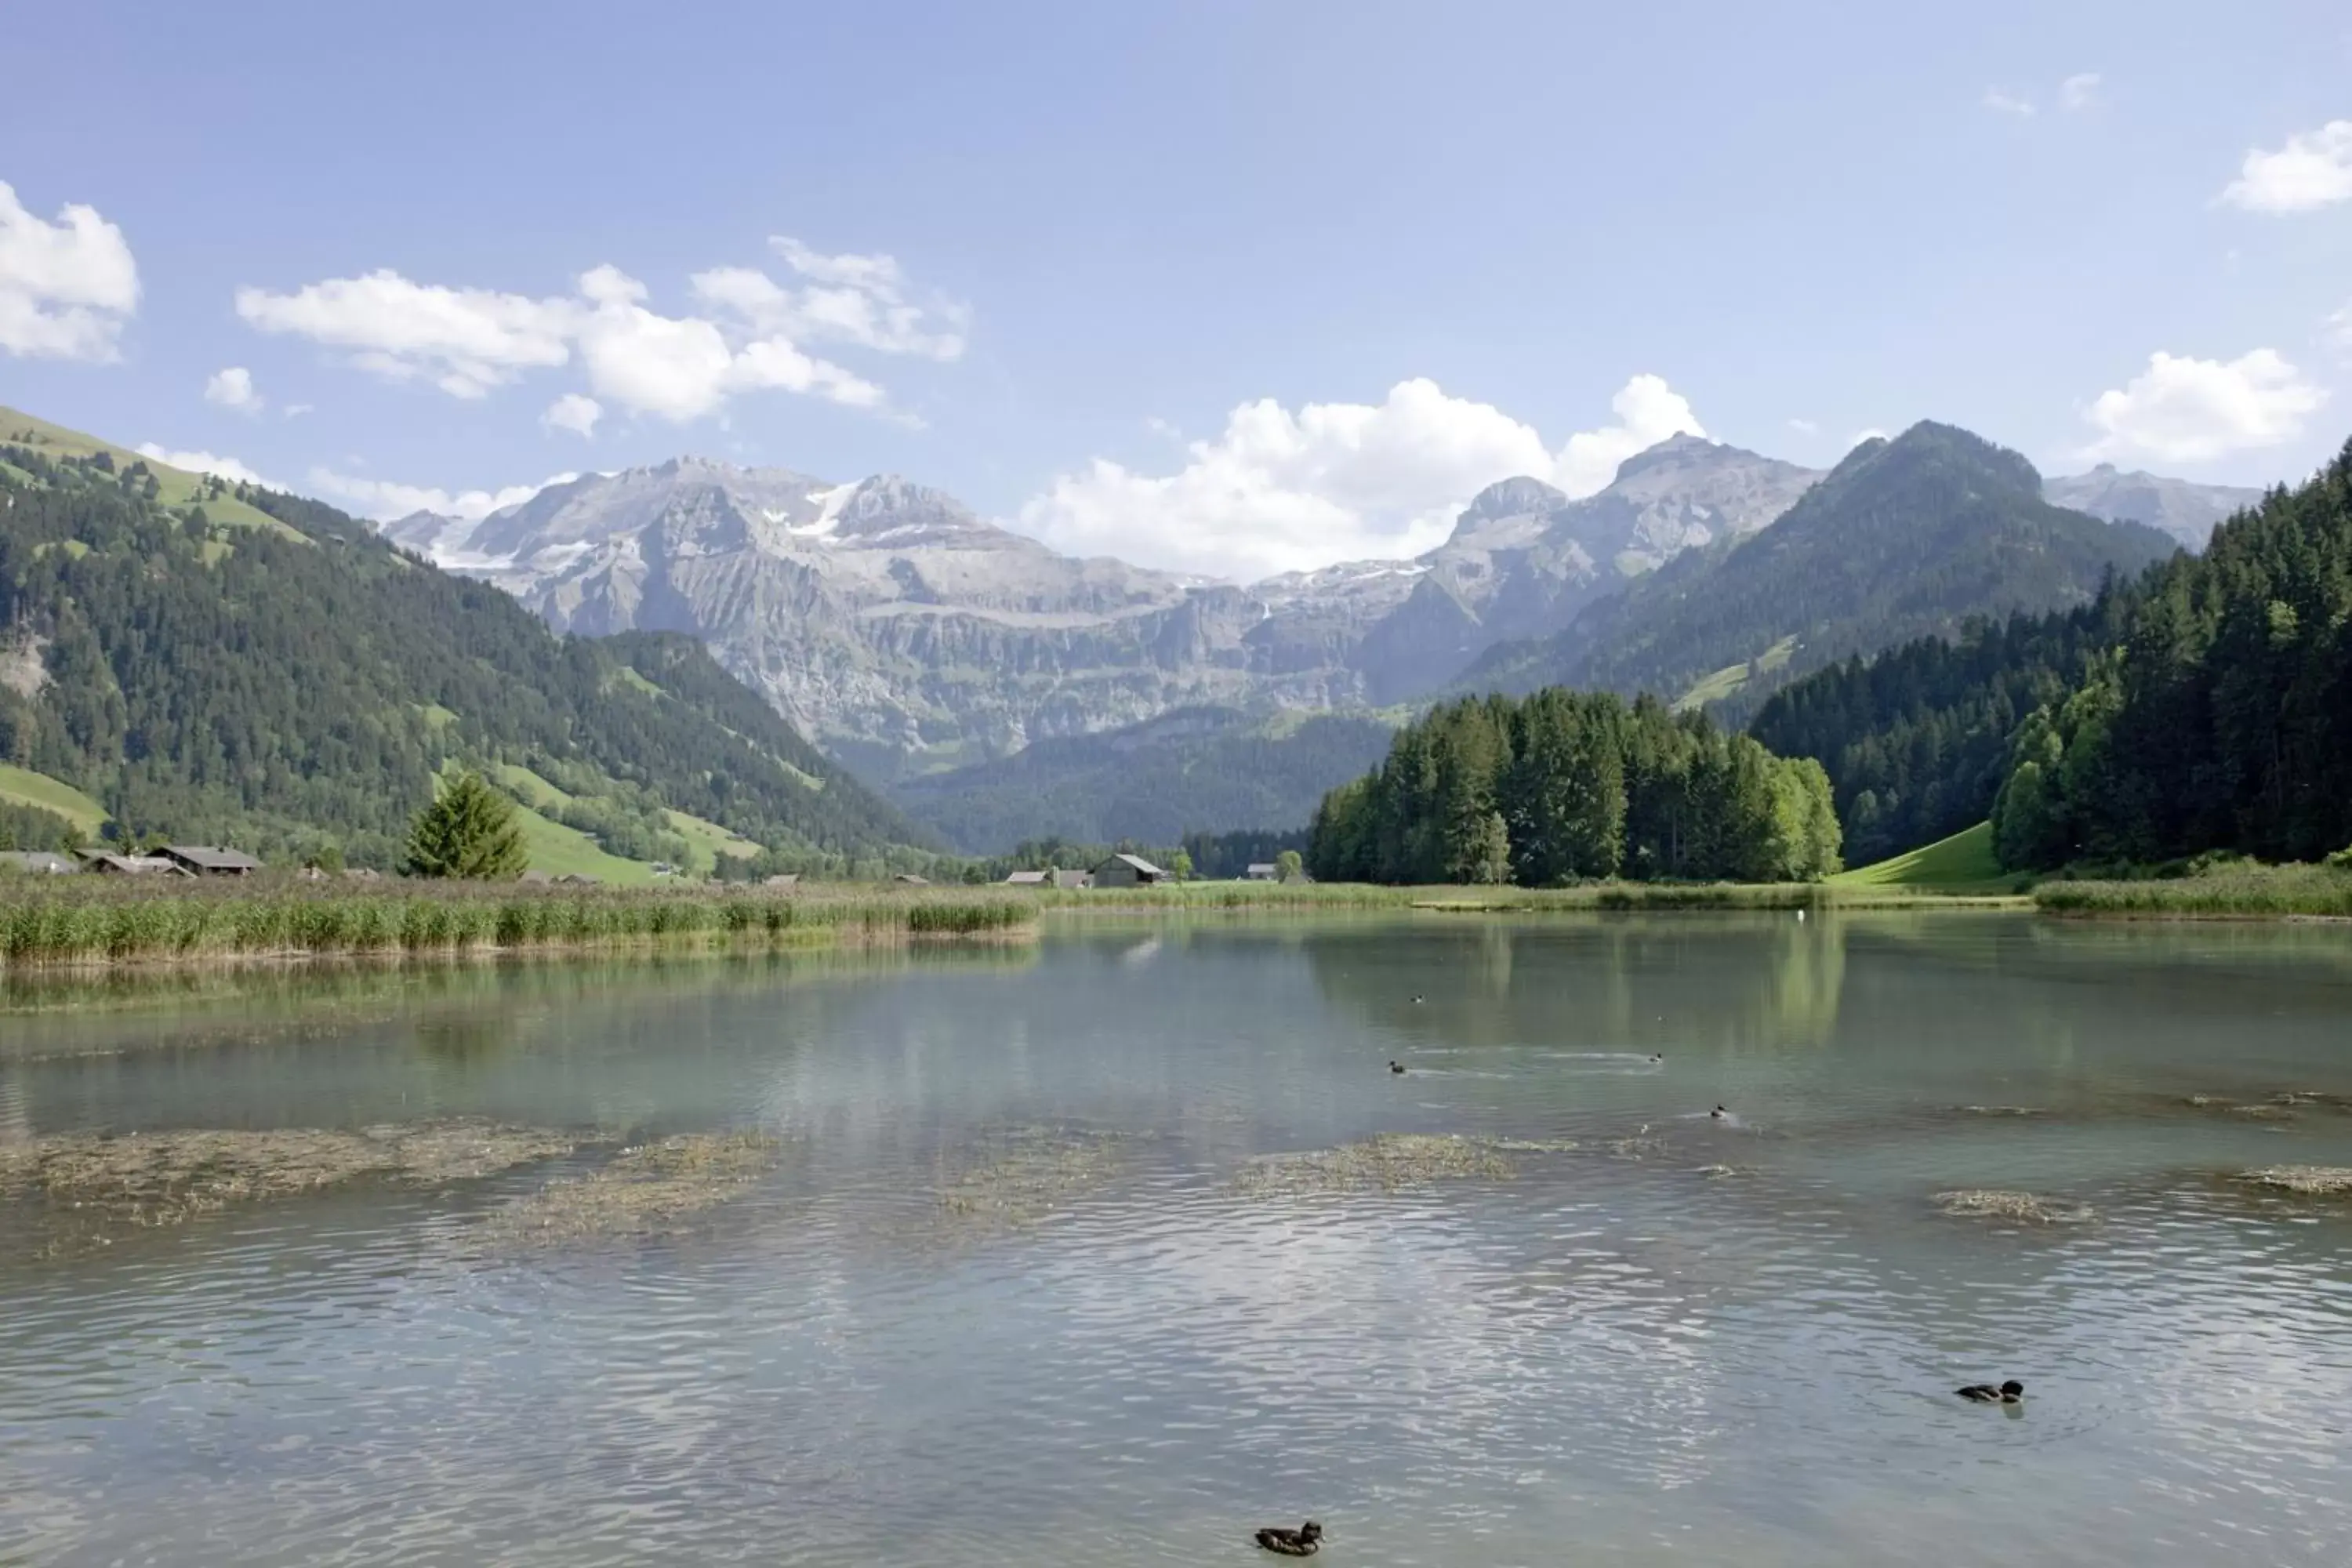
point(1304, 1542)
point(1417, 1001)
point(1657, 1056)
point(1396, 1067)
point(1718, 1114)
point(2009, 1393)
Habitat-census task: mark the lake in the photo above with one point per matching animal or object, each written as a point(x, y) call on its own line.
point(1115, 1248)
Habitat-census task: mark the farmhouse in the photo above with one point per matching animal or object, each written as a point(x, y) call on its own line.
point(1129, 872)
point(206, 861)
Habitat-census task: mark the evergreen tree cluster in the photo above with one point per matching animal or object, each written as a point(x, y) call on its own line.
point(1917, 742)
point(2222, 718)
point(1563, 787)
point(287, 690)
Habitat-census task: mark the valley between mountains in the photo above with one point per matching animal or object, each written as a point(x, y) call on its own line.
point(1001, 691)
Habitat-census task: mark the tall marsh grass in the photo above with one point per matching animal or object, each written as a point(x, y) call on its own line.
point(94, 921)
point(2242, 890)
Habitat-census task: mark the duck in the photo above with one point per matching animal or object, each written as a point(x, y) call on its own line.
point(1718, 1114)
point(1657, 1056)
point(1417, 1001)
point(1304, 1542)
point(1397, 1067)
point(2009, 1393)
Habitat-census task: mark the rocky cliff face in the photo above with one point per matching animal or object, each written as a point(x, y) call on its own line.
point(903, 633)
point(2187, 512)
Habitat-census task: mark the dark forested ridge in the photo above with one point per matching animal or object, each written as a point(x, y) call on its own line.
point(1904, 538)
point(279, 688)
point(2222, 721)
point(1565, 786)
point(1195, 769)
point(1917, 740)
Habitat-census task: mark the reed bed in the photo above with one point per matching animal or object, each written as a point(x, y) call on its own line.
point(94, 921)
point(2242, 891)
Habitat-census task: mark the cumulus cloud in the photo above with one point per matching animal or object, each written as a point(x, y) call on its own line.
point(1805, 426)
point(573, 413)
point(2339, 328)
point(2313, 170)
point(65, 288)
point(467, 341)
point(2183, 410)
point(228, 468)
point(1278, 490)
point(2000, 102)
point(464, 340)
point(383, 499)
point(2079, 92)
point(233, 388)
point(860, 300)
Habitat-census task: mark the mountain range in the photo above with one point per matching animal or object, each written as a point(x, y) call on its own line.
point(907, 636)
point(221, 663)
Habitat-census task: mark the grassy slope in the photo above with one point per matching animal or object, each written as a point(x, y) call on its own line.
point(705, 836)
point(1732, 677)
point(22, 786)
point(1963, 863)
point(175, 486)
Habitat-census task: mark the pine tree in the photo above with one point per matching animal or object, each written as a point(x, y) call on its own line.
point(469, 831)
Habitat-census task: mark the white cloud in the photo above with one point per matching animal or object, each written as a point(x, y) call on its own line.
point(682, 368)
point(2079, 92)
point(1804, 427)
point(466, 341)
point(2339, 328)
point(573, 413)
point(233, 388)
point(1280, 491)
point(2183, 410)
point(860, 300)
point(382, 499)
point(2000, 102)
point(1870, 434)
point(228, 468)
point(2313, 170)
point(65, 288)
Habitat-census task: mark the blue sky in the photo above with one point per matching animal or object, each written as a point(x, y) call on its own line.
point(1228, 287)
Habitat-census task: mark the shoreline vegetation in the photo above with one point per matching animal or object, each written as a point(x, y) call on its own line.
point(105, 923)
point(89, 923)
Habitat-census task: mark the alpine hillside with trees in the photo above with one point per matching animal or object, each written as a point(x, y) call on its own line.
point(294, 684)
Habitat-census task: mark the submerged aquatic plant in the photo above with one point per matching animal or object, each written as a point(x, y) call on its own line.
point(166, 1178)
point(1384, 1163)
point(645, 1189)
point(2024, 1208)
point(2311, 1181)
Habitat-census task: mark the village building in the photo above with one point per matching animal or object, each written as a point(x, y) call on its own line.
point(106, 863)
point(37, 863)
point(208, 860)
point(1262, 871)
point(1072, 881)
point(1031, 878)
point(1129, 872)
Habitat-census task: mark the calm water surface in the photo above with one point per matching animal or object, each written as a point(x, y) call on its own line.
point(1678, 1341)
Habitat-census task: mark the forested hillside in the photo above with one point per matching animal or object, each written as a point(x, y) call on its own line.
point(1192, 770)
point(2223, 718)
point(1565, 786)
point(293, 685)
point(1904, 538)
point(1917, 740)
